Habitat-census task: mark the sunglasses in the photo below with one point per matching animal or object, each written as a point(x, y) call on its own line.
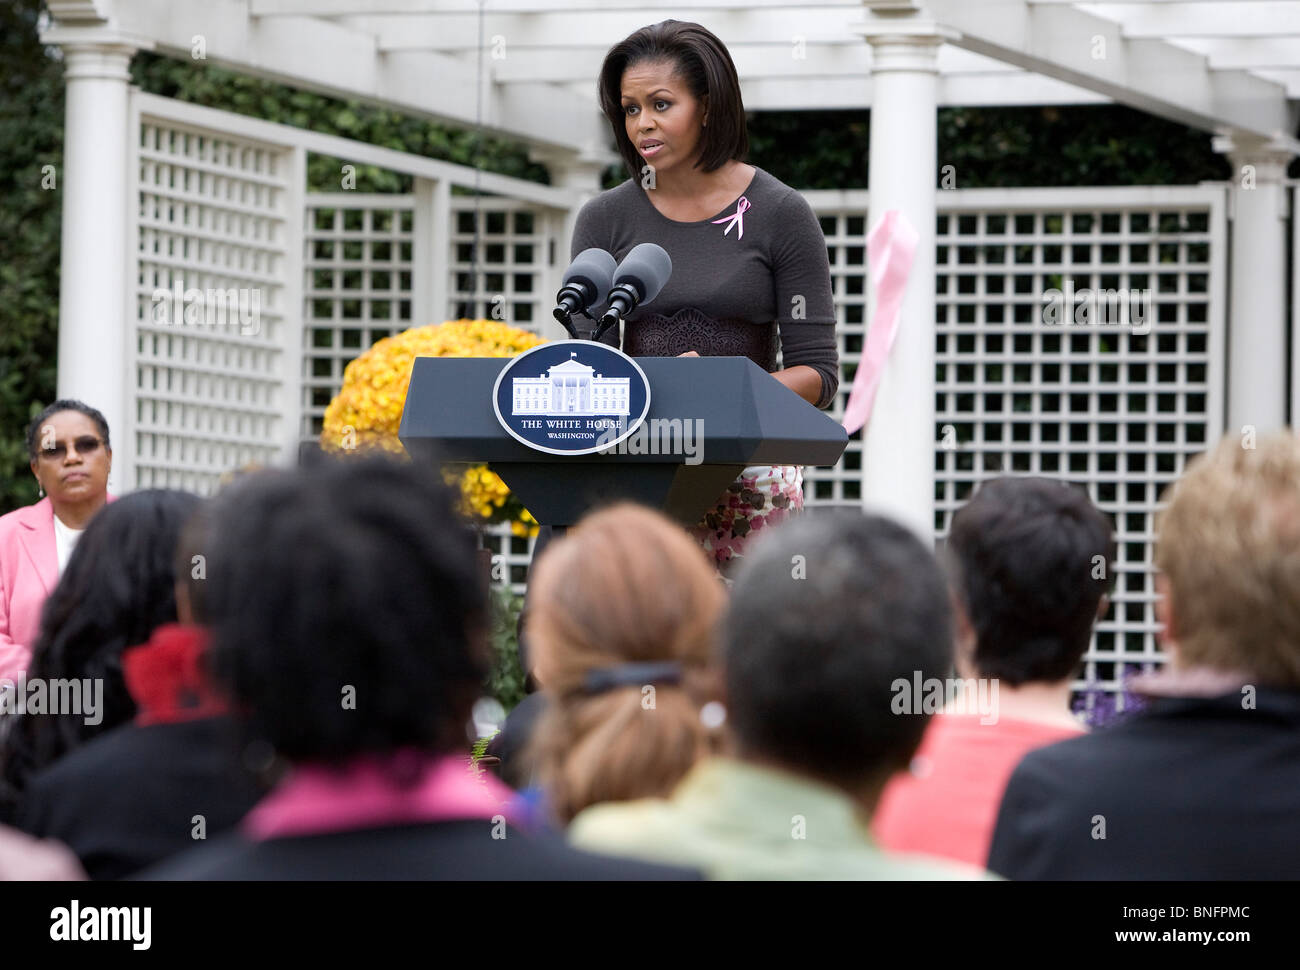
point(84, 446)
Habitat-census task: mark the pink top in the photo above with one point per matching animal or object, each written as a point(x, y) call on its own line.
point(29, 571)
point(316, 799)
point(948, 803)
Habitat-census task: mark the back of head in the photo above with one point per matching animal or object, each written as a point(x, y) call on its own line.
point(346, 610)
point(625, 586)
point(1030, 561)
point(827, 614)
point(1229, 544)
point(116, 589)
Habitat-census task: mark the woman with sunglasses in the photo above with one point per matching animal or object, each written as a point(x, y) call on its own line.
point(70, 456)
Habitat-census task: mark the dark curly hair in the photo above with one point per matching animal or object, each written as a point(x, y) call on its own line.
point(347, 611)
point(116, 589)
point(709, 74)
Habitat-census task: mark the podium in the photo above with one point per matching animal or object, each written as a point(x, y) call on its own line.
point(745, 417)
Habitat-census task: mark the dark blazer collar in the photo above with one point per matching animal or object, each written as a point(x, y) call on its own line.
point(1248, 701)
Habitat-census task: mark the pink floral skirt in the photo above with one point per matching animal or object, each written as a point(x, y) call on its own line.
point(762, 497)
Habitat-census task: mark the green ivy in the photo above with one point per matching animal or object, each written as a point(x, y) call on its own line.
point(990, 147)
point(506, 679)
point(215, 87)
point(31, 137)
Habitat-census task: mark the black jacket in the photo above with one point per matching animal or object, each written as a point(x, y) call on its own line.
point(129, 798)
point(1191, 788)
point(435, 850)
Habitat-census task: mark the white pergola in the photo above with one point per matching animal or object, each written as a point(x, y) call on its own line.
point(526, 69)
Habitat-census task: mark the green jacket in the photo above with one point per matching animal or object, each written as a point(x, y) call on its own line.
point(739, 820)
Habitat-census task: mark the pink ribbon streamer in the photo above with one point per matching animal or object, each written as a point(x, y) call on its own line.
point(736, 218)
point(891, 248)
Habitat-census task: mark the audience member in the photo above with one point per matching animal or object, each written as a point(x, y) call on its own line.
point(1029, 562)
point(623, 621)
point(1204, 783)
point(70, 457)
point(149, 789)
point(117, 589)
point(348, 622)
point(826, 617)
point(25, 859)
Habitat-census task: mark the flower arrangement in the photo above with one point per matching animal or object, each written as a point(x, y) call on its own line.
point(1099, 708)
point(367, 411)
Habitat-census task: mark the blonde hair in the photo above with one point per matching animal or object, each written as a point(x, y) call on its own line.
point(626, 585)
point(1229, 544)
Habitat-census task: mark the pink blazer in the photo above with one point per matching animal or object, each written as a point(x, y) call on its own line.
point(29, 570)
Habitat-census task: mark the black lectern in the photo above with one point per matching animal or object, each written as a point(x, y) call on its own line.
point(745, 418)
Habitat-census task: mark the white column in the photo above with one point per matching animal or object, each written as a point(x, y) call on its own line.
point(899, 444)
point(95, 277)
point(1257, 310)
point(570, 170)
point(426, 234)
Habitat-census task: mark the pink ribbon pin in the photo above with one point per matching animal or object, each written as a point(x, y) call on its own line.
point(891, 247)
point(736, 218)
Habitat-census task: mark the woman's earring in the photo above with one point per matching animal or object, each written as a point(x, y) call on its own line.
point(40, 490)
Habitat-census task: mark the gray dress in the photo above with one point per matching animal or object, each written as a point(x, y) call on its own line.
point(757, 286)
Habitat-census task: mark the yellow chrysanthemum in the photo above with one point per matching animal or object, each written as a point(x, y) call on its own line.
point(367, 411)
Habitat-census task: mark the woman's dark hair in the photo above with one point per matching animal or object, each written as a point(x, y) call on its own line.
point(347, 610)
point(704, 65)
point(190, 561)
point(116, 589)
point(1030, 559)
point(63, 404)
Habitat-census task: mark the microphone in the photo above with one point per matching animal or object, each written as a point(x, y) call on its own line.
point(638, 279)
point(585, 283)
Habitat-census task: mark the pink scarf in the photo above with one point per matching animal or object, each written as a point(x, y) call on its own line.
point(316, 799)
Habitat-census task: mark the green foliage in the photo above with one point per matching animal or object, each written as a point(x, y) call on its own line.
point(200, 83)
point(1075, 145)
point(1017, 146)
point(506, 679)
point(31, 137)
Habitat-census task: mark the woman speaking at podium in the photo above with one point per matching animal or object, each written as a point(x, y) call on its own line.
point(750, 273)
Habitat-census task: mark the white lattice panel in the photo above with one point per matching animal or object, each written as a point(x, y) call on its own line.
point(357, 287)
point(217, 225)
point(1102, 406)
point(517, 244)
point(360, 257)
point(510, 556)
point(844, 224)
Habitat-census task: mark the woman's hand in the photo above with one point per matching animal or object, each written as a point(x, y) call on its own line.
point(689, 353)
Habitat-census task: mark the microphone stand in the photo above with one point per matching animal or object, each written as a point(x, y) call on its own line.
point(566, 320)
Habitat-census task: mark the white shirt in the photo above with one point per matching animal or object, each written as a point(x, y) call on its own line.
point(65, 539)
